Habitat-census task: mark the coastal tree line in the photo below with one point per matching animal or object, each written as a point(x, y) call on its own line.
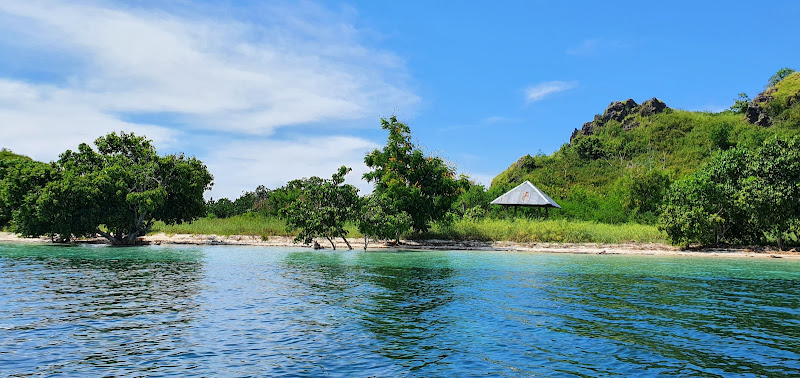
point(747, 192)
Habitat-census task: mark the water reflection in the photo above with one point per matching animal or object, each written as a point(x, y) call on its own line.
point(246, 311)
point(114, 307)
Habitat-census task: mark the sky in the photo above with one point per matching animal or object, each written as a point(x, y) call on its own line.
point(264, 92)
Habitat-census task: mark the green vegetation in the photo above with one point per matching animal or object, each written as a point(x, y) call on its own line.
point(523, 230)
point(422, 186)
point(742, 196)
point(322, 209)
point(246, 224)
point(616, 175)
point(381, 221)
point(702, 178)
point(118, 191)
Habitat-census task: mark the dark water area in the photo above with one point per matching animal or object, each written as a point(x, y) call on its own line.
point(251, 311)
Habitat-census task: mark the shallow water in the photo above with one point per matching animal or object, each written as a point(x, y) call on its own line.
point(235, 311)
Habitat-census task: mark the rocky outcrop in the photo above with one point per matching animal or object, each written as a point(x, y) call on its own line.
point(756, 112)
point(624, 112)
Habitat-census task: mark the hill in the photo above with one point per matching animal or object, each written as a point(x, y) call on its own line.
point(6, 154)
point(617, 167)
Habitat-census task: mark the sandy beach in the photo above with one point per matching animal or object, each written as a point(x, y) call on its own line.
point(582, 248)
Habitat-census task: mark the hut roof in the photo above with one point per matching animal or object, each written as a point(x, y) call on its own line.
point(525, 194)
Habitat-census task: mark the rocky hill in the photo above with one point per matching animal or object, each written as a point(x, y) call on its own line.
point(617, 166)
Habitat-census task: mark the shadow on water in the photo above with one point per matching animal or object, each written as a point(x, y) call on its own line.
point(97, 307)
point(396, 297)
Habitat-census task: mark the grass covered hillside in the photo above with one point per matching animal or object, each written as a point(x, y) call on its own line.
point(617, 167)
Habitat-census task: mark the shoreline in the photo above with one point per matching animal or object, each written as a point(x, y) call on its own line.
point(641, 249)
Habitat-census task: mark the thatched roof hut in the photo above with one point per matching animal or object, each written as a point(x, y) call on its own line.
point(526, 194)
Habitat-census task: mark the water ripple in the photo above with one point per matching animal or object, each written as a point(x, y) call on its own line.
point(271, 312)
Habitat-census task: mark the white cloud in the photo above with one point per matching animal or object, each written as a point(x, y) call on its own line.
point(241, 165)
point(277, 67)
point(594, 46)
point(539, 91)
point(42, 121)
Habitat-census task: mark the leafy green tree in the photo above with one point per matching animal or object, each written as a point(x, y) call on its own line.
point(589, 147)
point(780, 75)
point(770, 192)
point(472, 195)
point(643, 193)
point(742, 196)
point(19, 178)
point(380, 220)
point(720, 136)
point(741, 103)
point(221, 208)
point(280, 199)
point(118, 192)
point(422, 186)
point(323, 208)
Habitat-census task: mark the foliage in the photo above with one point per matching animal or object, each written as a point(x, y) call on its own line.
point(589, 147)
point(20, 177)
point(245, 224)
point(280, 199)
point(740, 104)
point(784, 108)
point(780, 75)
point(524, 230)
point(475, 213)
point(472, 196)
point(591, 177)
point(643, 192)
point(117, 191)
point(248, 201)
point(6, 154)
point(322, 208)
point(422, 186)
point(742, 196)
point(379, 219)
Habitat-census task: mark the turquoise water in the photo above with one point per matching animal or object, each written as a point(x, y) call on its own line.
point(239, 311)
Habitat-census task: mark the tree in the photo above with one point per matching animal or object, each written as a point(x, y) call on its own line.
point(472, 196)
point(742, 196)
point(770, 192)
point(280, 199)
point(643, 192)
point(780, 75)
point(323, 208)
point(589, 147)
point(118, 192)
point(20, 177)
point(741, 103)
point(422, 186)
point(379, 219)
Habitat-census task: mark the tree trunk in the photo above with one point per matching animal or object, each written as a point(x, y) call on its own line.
point(331, 240)
point(366, 242)
point(347, 242)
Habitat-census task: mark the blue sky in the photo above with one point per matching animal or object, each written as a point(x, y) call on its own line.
point(265, 92)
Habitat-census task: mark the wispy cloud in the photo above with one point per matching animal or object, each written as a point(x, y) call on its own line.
point(540, 91)
point(229, 74)
point(247, 164)
point(594, 46)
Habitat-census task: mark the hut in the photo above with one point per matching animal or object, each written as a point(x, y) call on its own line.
point(526, 194)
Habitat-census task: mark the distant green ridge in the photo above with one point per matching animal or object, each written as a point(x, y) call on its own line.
point(616, 167)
